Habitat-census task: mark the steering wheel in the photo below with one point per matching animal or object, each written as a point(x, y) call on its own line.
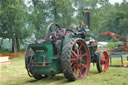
point(59, 33)
point(52, 29)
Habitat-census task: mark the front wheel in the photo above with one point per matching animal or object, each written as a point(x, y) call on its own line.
point(75, 59)
point(102, 61)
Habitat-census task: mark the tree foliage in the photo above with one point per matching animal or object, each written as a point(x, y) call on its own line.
point(13, 22)
point(115, 19)
point(20, 19)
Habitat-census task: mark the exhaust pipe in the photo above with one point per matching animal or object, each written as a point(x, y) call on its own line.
point(87, 18)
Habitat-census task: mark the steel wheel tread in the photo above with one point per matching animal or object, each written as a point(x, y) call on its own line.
point(66, 60)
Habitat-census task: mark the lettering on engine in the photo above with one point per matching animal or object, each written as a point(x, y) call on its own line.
point(39, 50)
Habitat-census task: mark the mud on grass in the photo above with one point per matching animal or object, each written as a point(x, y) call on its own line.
point(16, 74)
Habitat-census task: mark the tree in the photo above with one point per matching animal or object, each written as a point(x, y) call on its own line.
point(114, 18)
point(45, 12)
point(62, 11)
point(37, 15)
point(12, 22)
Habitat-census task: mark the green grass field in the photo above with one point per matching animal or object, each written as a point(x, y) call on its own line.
point(16, 74)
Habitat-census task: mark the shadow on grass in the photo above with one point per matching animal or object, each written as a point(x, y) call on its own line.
point(55, 79)
point(93, 72)
point(32, 81)
point(58, 79)
point(116, 66)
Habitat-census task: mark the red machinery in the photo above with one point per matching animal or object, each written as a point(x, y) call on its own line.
point(115, 37)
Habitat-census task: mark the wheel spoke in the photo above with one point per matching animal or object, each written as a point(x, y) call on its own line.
point(74, 53)
point(80, 46)
point(78, 53)
point(75, 71)
point(75, 48)
point(74, 60)
point(83, 65)
point(85, 54)
point(80, 74)
point(74, 66)
point(71, 63)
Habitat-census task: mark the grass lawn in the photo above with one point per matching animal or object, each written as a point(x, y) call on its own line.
point(16, 74)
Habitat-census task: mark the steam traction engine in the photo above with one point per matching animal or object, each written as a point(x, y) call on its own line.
point(64, 51)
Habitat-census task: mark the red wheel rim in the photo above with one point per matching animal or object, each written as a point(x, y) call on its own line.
point(80, 59)
point(104, 62)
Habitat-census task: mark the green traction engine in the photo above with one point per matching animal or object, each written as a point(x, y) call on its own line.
point(64, 51)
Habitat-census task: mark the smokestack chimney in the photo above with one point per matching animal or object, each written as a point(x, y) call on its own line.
point(87, 18)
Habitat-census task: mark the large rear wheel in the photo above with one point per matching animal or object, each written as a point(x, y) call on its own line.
point(75, 59)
